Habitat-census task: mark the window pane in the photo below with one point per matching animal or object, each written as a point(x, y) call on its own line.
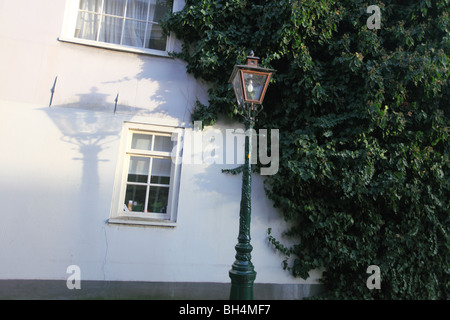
point(114, 7)
point(161, 171)
point(87, 26)
point(158, 199)
point(237, 87)
point(106, 20)
point(111, 30)
point(137, 9)
point(161, 8)
point(141, 141)
point(91, 5)
point(135, 198)
point(254, 85)
point(160, 180)
point(138, 169)
point(134, 33)
point(163, 143)
point(155, 38)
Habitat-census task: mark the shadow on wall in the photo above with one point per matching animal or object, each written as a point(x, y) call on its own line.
point(90, 124)
point(126, 83)
point(95, 101)
point(96, 117)
point(90, 132)
point(92, 97)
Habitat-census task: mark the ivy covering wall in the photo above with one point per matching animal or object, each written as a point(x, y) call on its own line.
point(363, 116)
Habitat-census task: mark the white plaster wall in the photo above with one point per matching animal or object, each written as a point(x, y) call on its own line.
point(58, 164)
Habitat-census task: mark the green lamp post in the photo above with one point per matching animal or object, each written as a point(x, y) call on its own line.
point(250, 84)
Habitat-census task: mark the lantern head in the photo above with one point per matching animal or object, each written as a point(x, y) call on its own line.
point(250, 82)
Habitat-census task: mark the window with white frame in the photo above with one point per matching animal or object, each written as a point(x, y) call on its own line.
point(132, 24)
point(149, 176)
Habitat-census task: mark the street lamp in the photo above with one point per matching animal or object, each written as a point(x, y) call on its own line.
point(250, 84)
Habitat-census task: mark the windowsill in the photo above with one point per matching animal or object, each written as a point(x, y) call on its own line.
point(115, 47)
point(142, 222)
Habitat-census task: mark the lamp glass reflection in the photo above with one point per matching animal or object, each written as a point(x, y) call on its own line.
point(237, 88)
point(254, 85)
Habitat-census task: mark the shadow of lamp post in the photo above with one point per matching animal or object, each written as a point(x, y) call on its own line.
point(250, 83)
point(89, 131)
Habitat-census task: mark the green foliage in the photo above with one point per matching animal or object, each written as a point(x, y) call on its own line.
point(364, 131)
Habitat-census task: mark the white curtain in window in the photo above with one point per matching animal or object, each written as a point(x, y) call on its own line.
point(135, 24)
point(115, 21)
point(111, 25)
point(88, 19)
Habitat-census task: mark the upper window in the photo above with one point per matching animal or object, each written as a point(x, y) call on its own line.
point(132, 24)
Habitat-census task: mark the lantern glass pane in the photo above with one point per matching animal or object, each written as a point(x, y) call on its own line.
point(237, 88)
point(254, 85)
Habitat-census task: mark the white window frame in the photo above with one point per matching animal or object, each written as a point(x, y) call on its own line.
point(69, 25)
point(118, 215)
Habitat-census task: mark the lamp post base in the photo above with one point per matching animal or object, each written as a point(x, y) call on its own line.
point(242, 284)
